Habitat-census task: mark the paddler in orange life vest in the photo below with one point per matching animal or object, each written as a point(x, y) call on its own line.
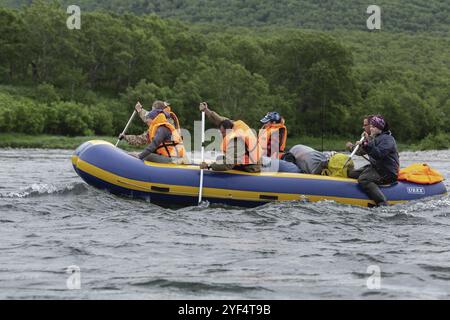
point(163, 137)
point(161, 105)
point(239, 145)
point(272, 136)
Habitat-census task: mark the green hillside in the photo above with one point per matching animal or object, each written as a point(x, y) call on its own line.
point(84, 82)
point(397, 15)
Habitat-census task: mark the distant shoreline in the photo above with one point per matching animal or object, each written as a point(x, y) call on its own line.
point(18, 140)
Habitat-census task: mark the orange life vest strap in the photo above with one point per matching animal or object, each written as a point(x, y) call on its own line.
point(170, 147)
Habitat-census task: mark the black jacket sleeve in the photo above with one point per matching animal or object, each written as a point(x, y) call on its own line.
point(381, 149)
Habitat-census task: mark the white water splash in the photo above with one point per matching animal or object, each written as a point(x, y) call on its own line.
point(37, 189)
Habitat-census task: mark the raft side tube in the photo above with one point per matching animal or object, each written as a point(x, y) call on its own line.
point(104, 166)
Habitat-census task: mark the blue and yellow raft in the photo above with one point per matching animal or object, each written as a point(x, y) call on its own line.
point(104, 166)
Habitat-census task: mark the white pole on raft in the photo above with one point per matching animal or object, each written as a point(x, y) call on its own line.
point(200, 191)
point(354, 150)
point(126, 127)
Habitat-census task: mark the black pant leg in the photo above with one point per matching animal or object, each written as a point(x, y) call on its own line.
point(369, 180)
point(153, 157)
point(355, 173)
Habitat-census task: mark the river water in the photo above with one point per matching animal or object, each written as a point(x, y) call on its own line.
point(58, 234)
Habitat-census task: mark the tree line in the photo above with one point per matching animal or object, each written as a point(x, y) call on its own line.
point(86, 81)
point(397, 15)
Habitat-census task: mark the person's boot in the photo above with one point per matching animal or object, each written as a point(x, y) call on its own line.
point(382, 204)
point(374, 193)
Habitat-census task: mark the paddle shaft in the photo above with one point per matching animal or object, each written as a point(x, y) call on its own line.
point(126, 127)
point(202, 156)
point(354, 151)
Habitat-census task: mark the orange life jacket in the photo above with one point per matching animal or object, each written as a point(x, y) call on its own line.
point(173, 116)
point(242, 131)
point(420, 173)
point(273, 131)
point(172, 148)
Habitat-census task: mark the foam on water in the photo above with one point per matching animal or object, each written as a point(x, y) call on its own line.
point(37, 189)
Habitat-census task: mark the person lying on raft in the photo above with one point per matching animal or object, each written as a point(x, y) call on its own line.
point(277, 165)
point(311, 161)
point(239, 145)
point(307, 159)
point(384, 160)
point(165, 144)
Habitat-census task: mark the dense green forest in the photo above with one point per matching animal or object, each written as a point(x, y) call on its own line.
point(81, 82)
point(398, 15)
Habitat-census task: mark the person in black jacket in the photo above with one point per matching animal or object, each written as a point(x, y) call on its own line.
point(383, 157)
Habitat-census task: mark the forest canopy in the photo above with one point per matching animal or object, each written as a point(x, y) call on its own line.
point(398, 15)
point(86, 81)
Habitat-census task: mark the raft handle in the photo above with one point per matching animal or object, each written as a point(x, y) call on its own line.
point(267, 197)
point(132, 184)
point(160, 189)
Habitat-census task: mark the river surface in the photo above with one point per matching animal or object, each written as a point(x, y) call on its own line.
point(58, 234)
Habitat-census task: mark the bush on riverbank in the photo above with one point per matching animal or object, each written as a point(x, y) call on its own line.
point(20, 140)
point(440, 141)
point(24, 115)
point(43, 141)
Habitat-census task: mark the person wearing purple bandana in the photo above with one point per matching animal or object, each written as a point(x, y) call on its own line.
point(366, 128)
point(383, 157)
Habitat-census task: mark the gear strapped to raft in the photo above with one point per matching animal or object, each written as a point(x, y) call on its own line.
point(420, 173)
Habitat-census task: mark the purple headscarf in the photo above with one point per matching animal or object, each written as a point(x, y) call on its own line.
point(378, 122)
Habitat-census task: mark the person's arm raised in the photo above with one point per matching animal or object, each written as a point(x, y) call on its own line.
point(141, 111)
point(214, 117)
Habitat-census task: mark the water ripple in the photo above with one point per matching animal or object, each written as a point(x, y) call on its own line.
point(50, 219)
point(197, 286)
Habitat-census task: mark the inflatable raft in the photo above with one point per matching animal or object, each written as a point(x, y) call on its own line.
point(105, 166)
